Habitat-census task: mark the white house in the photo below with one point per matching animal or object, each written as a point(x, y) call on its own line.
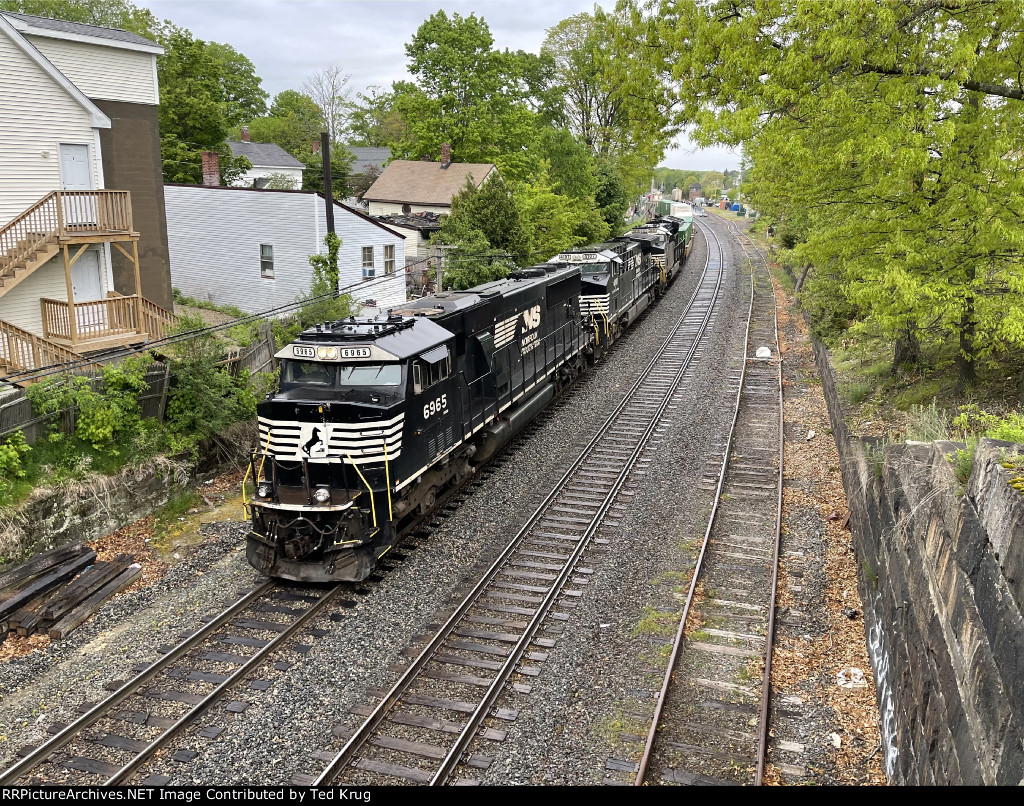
point(407, 187)
point(82, 233)
point(268, 159)
point(250, 248)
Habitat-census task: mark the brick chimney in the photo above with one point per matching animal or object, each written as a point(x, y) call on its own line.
point(316, 146)
point(211, 169)
point(446, 155)
point(245, 135)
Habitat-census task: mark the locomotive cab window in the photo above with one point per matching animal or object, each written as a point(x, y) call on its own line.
point(430, 368)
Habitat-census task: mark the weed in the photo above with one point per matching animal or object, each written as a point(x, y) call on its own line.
point(928, 423)
point(875, 453)
point(655, 622)
point(699, 635)
point(963, 462)
point(870, 574)
point(856, 393)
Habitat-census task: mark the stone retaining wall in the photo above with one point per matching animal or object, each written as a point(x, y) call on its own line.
point(941, 578)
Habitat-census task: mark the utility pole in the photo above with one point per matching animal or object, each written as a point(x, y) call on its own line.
point(325, 154)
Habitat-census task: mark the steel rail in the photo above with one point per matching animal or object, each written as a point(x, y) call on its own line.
point(762, 737)
point(373, 721)
point(678, 641)
point(201, 707)
point(44, 751)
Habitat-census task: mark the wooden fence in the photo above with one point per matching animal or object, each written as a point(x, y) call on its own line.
point(16, 413)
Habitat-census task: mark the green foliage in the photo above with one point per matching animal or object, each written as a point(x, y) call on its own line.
point(293, 122)
point(885, 127)
point(13, 451)
point(204, 398)
point(974, 421)
point(466, 94)
point(487, 230)
point(341, 169)
point(556, 223)
point(612, 98)
point(108, 412)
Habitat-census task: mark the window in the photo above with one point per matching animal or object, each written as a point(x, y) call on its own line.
point(267, 261)
point(389, 258)
point(367, 262)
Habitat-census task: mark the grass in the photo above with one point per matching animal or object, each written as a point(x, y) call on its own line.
point(655, 622)
point(855, 393)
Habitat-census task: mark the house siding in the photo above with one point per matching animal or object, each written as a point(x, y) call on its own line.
point(25, 174)
point(389, 208)
point(110, 73)
point(131, 161)
point(214, 237)
point(20, 306)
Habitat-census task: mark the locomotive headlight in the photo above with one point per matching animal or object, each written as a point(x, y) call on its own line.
point(264, 490)
point(322, 495)
point(327, 353)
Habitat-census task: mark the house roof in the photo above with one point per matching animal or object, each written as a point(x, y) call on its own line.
point(423, 222)
point(419, 182)
point(264, 155)
point(344, 207)
point(77, 31)
point(97, 118)
point(367, 158)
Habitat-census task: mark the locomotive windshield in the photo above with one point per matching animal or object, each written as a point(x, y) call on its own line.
point(297, 374)
point(596, 268)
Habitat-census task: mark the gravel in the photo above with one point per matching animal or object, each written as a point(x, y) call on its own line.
point(598, 681)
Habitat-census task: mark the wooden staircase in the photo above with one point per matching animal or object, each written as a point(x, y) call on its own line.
point(60, 218)
point(21, 351)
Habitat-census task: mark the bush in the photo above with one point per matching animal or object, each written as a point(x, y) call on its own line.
point(108, 408)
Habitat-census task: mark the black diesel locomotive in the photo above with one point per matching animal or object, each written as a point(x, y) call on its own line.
point(376, 418)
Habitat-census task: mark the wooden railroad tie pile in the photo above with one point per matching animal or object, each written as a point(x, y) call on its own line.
point(59, 589)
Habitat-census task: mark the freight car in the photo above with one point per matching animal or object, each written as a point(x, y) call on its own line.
point(375, 418)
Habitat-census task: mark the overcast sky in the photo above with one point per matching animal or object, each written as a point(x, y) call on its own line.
point(289, 39)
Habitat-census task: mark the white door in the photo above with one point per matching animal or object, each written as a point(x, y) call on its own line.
point(76, 174)
point(87, 286)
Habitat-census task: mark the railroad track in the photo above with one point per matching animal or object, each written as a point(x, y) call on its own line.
point(112, 741)
point(427, 728)
point(710, 723)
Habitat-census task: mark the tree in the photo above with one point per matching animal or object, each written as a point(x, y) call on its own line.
point(613, 96)
point(374, 121)
point(329, 90)
point(242, 94)
point(294, 122)
point(466, 94)
point(891, 125)
point(487, 230)
point(341, 169)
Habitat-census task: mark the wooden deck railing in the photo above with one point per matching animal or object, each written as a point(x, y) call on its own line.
point(62, 214)
point(23, 236)
point(100, 212)
point(155, 320)
point(97, 319)
point(21, 350)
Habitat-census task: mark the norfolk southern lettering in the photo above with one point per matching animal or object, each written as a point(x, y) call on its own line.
point(374, 419)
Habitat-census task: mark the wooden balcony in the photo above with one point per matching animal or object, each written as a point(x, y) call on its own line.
point(104, 323)
point(63, 219)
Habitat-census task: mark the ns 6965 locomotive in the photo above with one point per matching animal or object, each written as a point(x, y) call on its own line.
point(375, 418)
